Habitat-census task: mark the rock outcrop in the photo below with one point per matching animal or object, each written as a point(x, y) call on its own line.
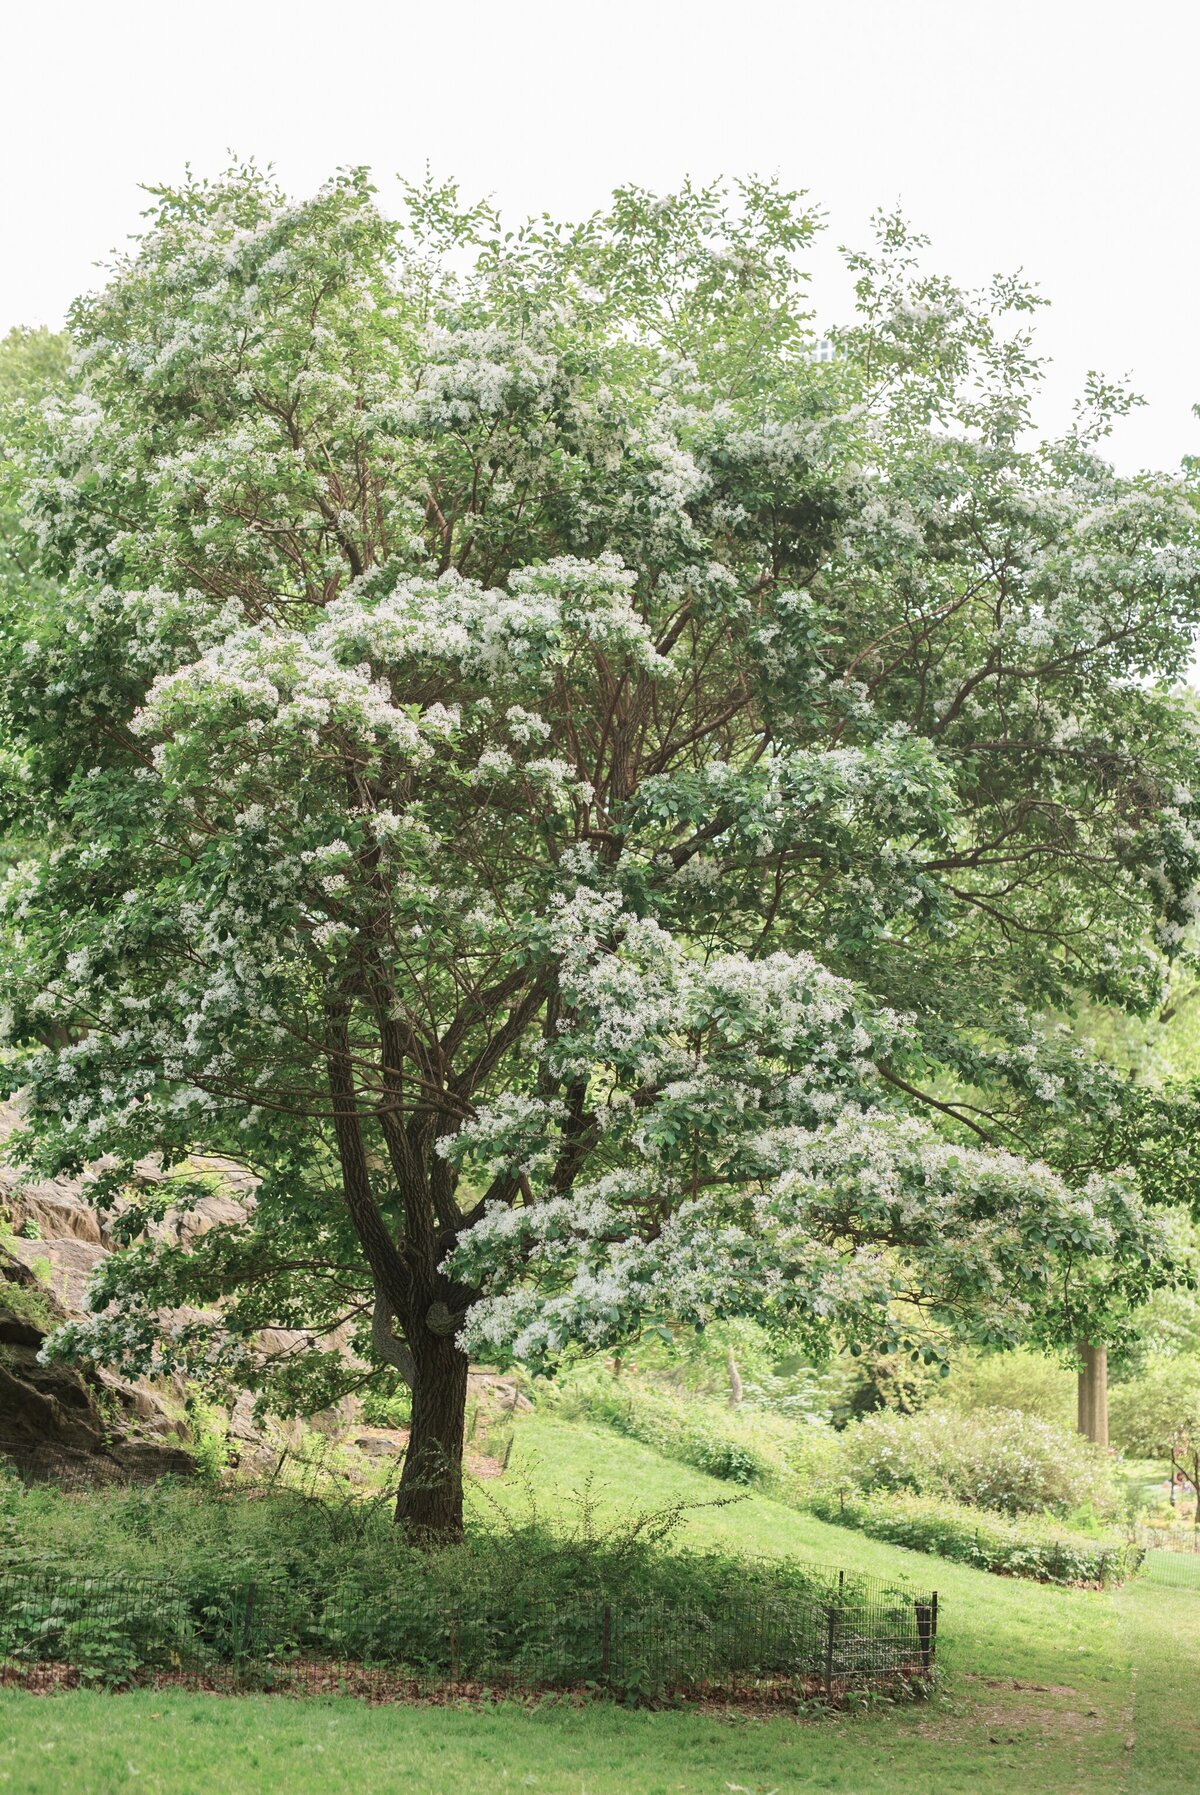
point(85, 1424)
point(73, 1424)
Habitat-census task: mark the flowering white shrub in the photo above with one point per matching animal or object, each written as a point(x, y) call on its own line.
point(997, 1458)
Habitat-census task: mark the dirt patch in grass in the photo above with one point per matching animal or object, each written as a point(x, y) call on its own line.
point(1016, 1722)
point(1014, 1683)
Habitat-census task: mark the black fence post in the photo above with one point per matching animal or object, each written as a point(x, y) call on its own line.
point(933, 1627)
point(606, 1642)
point(830, 1635)
point(248, 1619)
point(924, 1613)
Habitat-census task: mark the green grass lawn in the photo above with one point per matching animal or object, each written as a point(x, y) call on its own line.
point(1049, 1691)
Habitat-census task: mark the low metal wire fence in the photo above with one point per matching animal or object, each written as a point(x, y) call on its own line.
point(806, 1629)
point(64, 1627)
point(1171, 1560)
point(83, 1473)
point(69, 1471)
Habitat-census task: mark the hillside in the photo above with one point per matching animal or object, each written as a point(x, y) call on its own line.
point(991, 1626)
point(1031, 1675)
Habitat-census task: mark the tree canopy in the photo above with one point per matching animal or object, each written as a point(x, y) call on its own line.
point(588, 798)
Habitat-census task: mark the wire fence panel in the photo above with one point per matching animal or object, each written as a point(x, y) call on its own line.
point(70, 1472)
point(1171, 1560)
point(797, 1629)
point(58, 1626)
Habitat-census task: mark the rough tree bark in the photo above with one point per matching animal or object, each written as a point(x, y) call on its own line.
point(429, 1502)
point(410, 1290)
point(1092, 1393)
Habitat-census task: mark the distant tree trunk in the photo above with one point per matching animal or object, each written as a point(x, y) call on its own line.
point(1092, 1393)
point(429, 1503)
point(735, 1378)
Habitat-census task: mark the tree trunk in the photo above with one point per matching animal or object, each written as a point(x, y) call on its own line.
point(429, 1503)
point(1092, 1393)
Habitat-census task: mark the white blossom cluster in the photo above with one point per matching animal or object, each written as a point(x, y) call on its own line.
point(659, 764)
point(841, 1221)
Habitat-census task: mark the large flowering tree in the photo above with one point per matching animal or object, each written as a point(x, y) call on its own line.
point(585, 796)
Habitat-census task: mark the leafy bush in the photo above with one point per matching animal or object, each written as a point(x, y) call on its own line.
point(197, 1537)
point(233, 1580)
point(387, 1403)
point(857, 1383)
point(742, 1446)
point(1157, 1414)
point(1028, 1547)
point(1021, 1379)
point(991, 1458)
point(689, 1430)
point(28, 1303)
point(108, 1629)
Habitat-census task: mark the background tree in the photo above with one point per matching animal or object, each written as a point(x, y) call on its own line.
point(33, 365)
point(1155, 1131)
point(586, 800)
point(1157, 1415)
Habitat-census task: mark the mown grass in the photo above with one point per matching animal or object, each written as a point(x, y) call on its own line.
point(1056, 1691)
point(160, 1744)
point(1160, 1631)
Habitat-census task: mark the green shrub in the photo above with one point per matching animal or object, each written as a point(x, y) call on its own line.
point(1021, 1379)
point(687, 1429)
point(1157, 1413)
point(28, 1303)
point(854, 1384)
point(387, 1403)
point(746, 1446)
point(204, 1580)
point(696, 1360)
point(1028, 1547)
point(990, 1458)
point(209, 1443)
point(194, 1535)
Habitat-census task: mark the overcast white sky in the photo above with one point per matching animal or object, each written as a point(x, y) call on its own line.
point(1057, 137)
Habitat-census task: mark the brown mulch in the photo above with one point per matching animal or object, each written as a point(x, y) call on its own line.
point(380, 1686)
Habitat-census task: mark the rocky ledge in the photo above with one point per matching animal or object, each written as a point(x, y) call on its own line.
point(73, 1424)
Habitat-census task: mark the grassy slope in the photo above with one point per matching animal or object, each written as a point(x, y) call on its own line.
point(993, 1626)
point(1111, 1670)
